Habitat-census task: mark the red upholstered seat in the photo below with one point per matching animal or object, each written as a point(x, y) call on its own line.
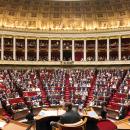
point(29, 94)
point(106, 125)
point(15, 100)
point(121, 95)
point(2, 86)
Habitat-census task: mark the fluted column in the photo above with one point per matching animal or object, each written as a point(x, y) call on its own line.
point(14, 48)
point(73, 51)
point(26, 49)
point(108, 49)
point(37, 49)
point(2, 48)
point(61, 50)
point(119, 49)
point(84, 50)
point(96, 50)
point(49, 50)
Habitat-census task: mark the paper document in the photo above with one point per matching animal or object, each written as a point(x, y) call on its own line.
point(92, 114)
point(51, 113)
point(2, 124)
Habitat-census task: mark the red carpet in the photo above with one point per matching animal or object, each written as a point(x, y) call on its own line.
point(106, 125)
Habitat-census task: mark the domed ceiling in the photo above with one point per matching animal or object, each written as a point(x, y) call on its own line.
point(65, 15)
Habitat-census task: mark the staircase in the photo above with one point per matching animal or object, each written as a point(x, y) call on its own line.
point(67, 88)
point(43, 91)
point(91, 89)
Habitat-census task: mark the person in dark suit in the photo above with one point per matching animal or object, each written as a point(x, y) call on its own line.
point(30, 116)
point(70, 116)
point(122, 112)
point(30, 119)
point(103, 112)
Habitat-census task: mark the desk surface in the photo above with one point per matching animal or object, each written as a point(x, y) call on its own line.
point(123, 124)
point(49, 112)
point(14, 125)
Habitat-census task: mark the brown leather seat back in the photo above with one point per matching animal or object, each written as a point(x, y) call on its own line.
point(80, 126)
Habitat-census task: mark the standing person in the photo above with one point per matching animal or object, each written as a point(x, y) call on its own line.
point(70, 116)
point(122, 112)
point(30, 119)
point(104, 112)
point(30, 116)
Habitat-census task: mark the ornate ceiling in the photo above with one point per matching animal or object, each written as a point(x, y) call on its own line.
point(65, 15)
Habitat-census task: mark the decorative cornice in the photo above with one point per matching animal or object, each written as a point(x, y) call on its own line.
point(66, 63)
point(19, 33)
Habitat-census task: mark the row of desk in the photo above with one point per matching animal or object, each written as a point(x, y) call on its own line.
point(47, 115)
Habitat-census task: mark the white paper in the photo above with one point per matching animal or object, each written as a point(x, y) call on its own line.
point(2, 124)
point(92, 114)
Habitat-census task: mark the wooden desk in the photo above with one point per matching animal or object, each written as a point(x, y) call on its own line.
point(111, 113)
point(14, 125)
point(22, 113)
point(123, 124)
point(19, 114)
point(90, 113)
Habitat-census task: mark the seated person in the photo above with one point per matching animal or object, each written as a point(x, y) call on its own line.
point(70, 116)
point(21, 105)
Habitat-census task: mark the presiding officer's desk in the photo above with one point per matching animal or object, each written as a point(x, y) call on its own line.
point(47, 115)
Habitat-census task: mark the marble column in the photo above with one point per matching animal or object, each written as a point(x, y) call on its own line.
point(2, 48)
point(14, 48)
point(61, 50)
point(49, 50)
point(37, 49)
point(108, 49)
point(84, 50)
point(73, 51)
